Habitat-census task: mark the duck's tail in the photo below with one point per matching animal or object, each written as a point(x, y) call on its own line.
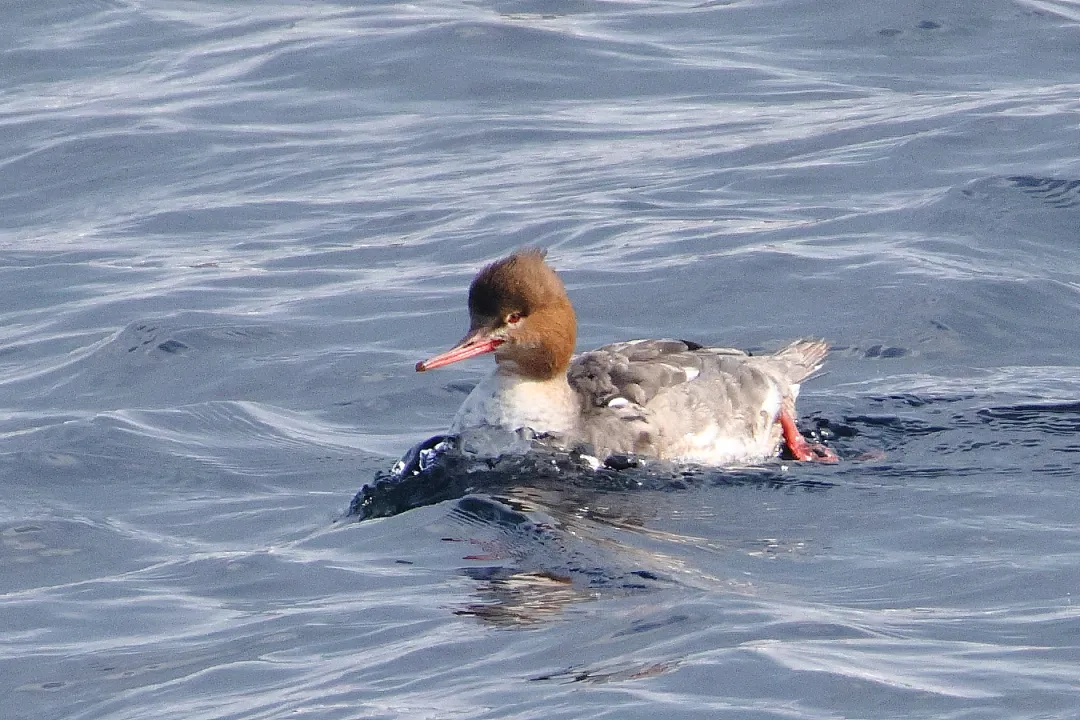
point(806, 357)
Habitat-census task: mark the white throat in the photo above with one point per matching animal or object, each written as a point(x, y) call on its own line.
point(507, 400)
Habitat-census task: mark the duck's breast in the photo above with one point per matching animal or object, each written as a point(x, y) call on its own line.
point(511, 402)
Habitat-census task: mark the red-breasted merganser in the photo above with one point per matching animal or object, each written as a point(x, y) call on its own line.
point(669, 399)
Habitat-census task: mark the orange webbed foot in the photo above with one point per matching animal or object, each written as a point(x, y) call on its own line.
point(800, 447)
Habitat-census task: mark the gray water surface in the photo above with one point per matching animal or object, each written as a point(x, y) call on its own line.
point(228, 230)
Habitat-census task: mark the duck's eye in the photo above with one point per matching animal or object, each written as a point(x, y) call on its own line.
point(513, 318)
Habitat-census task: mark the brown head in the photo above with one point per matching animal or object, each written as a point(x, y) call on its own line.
point(519, 310)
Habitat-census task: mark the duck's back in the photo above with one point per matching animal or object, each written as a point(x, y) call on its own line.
point(678, 400)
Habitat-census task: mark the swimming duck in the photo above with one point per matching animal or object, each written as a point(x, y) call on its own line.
point(669, 399)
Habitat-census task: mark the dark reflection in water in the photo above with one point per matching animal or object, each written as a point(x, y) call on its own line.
point(550, 525)
point(437, 470)
point(1056, 418)
point(1053, 191)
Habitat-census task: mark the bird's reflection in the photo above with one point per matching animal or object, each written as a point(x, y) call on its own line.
point(549, 529)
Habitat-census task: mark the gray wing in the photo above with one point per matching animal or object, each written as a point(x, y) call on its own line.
point(640, 369)
point(639, 396)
